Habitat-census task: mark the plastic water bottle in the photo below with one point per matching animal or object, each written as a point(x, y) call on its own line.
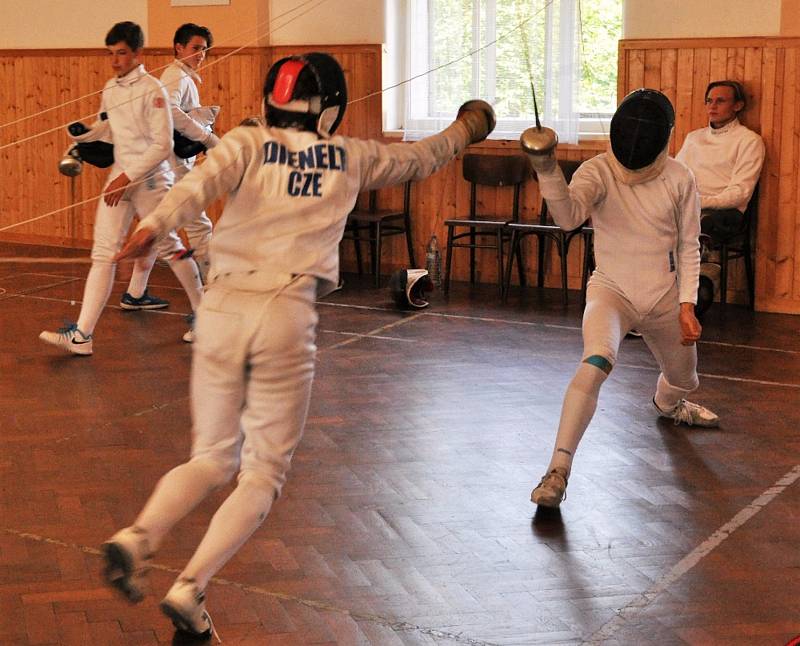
point(433, 262)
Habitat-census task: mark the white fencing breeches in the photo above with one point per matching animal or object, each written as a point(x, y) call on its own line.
point(252, 369)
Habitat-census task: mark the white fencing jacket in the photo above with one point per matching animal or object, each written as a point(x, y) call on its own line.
point(726, 163)
point(646, 236)
point(288, 194)
point(140, 123)
point(179, 81)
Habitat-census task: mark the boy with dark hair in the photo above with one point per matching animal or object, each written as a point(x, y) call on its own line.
point(191, 120)
point(289, 187)
point(139, 125)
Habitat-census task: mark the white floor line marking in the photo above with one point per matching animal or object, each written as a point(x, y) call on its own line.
point(440, 315)
point(393, 624)
point(694, 557)
point(550, 325)
point(761, 348)
point(107, 306)
point(372, 333)
point(370, 336)
point(9, 295)
point(709, 375)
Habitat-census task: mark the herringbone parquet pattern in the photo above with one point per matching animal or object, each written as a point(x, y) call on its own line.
point(406, 518)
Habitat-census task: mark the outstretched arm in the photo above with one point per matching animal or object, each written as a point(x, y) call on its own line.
point(387, 164)
point(570, 205)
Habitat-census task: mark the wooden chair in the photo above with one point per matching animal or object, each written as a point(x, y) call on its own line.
point(482, 231)
point(736, 246)
point(546, 230)
point(377, 224)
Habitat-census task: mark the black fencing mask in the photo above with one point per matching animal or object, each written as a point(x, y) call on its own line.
point(641, 127)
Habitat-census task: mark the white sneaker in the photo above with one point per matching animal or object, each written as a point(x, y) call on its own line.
point(689, 413)
point(552, 488)
point(69, 338)
point(185, 605)
point(188, 337)
point(127, 556)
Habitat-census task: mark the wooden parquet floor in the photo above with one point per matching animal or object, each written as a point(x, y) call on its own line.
point(406, 518)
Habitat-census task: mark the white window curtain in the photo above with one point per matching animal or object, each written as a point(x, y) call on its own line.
point(499, 47)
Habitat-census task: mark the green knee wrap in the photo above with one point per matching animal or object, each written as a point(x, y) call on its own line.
point(599, 362)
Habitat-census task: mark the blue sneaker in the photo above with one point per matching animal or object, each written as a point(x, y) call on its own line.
point(144, 302)
point(69, 338)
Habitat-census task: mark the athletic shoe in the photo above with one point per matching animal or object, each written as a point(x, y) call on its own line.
point(552, 488)
point(189, 335)
point(144, 302)
point(127, 556)
point(185, 605)
point(686, 412)
point(69, 338)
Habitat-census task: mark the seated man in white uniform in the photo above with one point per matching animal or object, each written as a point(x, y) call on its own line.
point(726, 159)
point(289, 186)
point(646, 217)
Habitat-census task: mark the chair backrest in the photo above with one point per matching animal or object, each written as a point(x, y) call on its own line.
point(495, 170)
point(372, 205)
point(568, 167)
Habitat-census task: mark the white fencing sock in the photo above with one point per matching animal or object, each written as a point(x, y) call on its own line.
point(176, 494)
point(235, 521)
point(189, 277)
point(667, 395)
point(579, 405)
point(141, 274)
point(95, 295)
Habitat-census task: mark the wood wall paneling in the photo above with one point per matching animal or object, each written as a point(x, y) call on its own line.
point(32, 81)
point(769, 69)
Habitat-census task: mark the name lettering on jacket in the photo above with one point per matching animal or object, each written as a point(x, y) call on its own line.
point(306, 178)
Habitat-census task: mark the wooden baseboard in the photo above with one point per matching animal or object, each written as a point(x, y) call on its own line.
point(48, 241)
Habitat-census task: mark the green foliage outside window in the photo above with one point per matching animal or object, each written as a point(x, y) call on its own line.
point(519, 54)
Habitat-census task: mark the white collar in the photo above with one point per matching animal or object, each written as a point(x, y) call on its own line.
point(131, 77)
point(188, 71)
point(724, 129)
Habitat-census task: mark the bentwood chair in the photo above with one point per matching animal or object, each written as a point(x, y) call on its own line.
point(481, 231)
point(546, 231)
point(372, 224)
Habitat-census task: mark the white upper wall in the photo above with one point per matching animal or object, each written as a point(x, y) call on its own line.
point(340, 22)
point(701, 19)
point(46, 24)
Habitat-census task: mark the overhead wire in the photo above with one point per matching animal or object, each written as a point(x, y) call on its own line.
point(212, 63)
point(472, 52)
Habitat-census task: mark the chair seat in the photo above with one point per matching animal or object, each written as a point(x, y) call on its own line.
point(477, 222)
point(531, 227)
point(377, 216)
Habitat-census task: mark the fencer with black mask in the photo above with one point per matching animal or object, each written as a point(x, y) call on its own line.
point(645, 212)
point(289, 186)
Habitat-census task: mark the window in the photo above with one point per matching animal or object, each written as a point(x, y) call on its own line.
point(495, 50)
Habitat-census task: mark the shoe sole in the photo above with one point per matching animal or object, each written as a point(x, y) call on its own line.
point(77, 348)
point(135, 308)
point(180, 622)
point(714, 424)
point(543, 501)
point(119, 570)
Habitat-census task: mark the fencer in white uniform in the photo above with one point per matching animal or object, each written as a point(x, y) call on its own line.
point(289, 187)
point(726, 158)
point(645, 213)
point(191, 120)
point(139, 125)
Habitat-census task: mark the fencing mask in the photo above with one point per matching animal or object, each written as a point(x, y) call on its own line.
point(641, 127)
point(408, 287)
point(307, 92)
